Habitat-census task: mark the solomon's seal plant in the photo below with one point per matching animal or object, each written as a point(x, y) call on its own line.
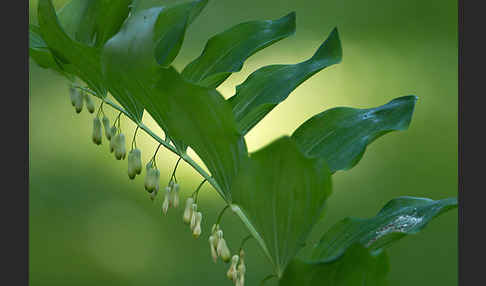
point(121, 53)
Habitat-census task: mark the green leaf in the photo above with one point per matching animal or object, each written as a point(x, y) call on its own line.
point(340, 135)
point(132, 58)
point(200, 118)
point(357, 267)
point(270, 85)
point(76, 58)
point(39, 51)
point(139, 5)
point(93, 22)
point(226, 52)
point(282, 193)
point(399, 217)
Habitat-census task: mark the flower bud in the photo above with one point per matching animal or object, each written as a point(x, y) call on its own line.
point(78, 103)
point(73, 94)
point(232, 274)
point(137, 161)
point(156, 178)
point(153, 194)
point(193, 216)
point(216, 236)
point(131, 164)
point(106, 126)
point(120, 150)
point(174, 199)
point(97, 133)
point(214, 253)
point(89, 102)
point(196, 232)
point(150, 180)
point(165, 205)
point(241, 280)
point(241, 268)
point(113, 143)
point(223, 250)
point(188, 211)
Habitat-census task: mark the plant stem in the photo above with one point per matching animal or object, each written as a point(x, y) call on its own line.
point(196, 192)
point(175, 169)
point(244, 240)
point(221, 215)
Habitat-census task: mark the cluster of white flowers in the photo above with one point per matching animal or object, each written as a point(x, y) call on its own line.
point(171, 198)
point(191, 215)
point(236, 272)
point(219, 248)
point(78, 98)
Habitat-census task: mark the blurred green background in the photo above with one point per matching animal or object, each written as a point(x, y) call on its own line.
point(91, 225)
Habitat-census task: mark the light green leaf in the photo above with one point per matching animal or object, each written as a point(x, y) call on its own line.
point(270, 85)
point(399, 217)
point(76, 58)
point(226, 52)
point(93, 22)
point(200, 118)
point(357, 267)
point(340, 135)
point(282, 193)
point(132, 58)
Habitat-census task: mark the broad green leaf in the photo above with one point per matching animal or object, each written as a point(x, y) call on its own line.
point(76, 58)
point(340, 135)
point(226, 52)
point(200, 118)
point(399, 217)
point(139, 5)
point(39, 51)
point(132, 58)
point(282, 193)
point(357, 267)
point(270, 85)
point(93, 22)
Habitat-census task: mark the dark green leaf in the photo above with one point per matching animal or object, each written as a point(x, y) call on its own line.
point(226, 52)
point(190, 115)
point(270, 85)
point(76, 58)
point(282, 193)
point(200, 118)
point(399, 217)
point(39, 51)
point(357, 267)
point(93, 22)
point(132, 58)
point(139, 5)
point(340, 135)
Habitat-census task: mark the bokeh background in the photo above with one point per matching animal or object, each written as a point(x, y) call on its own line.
point(91, 225)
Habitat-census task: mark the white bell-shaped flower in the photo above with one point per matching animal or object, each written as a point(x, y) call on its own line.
point(120, 148)
point(89, 102)
point(193, 216)
point(186, 217)
point(232, 274)
point(196, 232)
point(214, 253)
point(222, 248)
